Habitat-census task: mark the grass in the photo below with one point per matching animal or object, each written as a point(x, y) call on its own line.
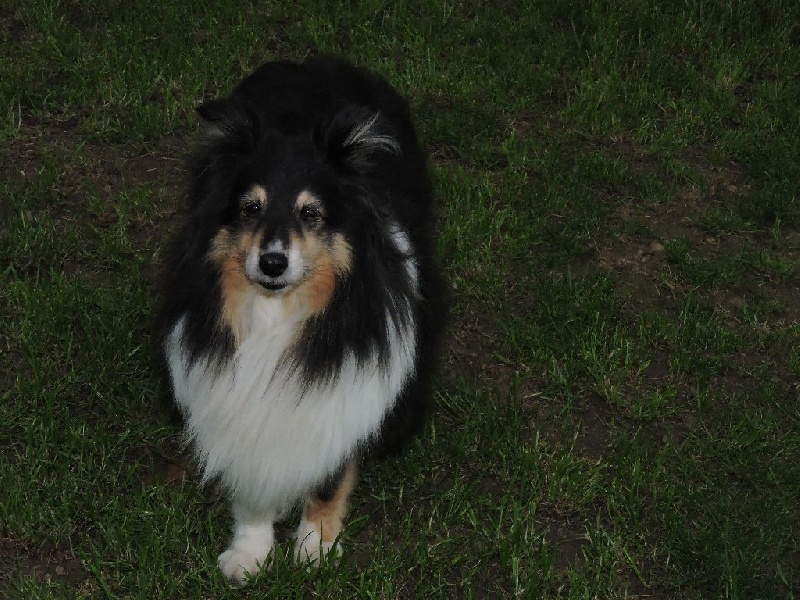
point(618, 409)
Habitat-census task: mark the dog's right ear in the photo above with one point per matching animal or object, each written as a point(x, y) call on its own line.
point(212, 110)
point(229, 134)
point(229, 120)
point(222, 118)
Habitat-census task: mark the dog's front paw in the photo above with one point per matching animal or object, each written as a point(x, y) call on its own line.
point(244, 557)
point(309, 547)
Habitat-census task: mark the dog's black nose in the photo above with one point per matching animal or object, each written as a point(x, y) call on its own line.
point(273, 264)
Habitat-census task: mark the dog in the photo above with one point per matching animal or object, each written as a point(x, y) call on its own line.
point(302, 303)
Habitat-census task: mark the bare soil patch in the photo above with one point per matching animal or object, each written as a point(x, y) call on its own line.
point(54, 565)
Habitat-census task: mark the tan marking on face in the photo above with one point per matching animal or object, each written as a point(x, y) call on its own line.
point(229, 252)
point(326, 263)
point(327, 517)
point(306, 198)
point(257, 193)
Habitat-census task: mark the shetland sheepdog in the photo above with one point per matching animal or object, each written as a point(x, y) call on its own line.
point(302, 303)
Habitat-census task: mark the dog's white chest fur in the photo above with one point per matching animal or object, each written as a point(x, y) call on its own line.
point(254, 425)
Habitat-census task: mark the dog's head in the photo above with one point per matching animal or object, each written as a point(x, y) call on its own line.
point(286, 201)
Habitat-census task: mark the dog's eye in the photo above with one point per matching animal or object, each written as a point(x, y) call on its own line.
point(310, 214)
point(251, 208)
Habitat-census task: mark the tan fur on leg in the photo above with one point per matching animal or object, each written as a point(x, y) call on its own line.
point(321, 524)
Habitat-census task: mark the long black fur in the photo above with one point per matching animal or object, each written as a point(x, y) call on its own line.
point(291, 121)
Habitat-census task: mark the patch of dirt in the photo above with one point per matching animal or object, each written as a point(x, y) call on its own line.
point(161, 468)
point(56, 565)
point(43, 155)
point(593, 427)
point(471, 351)
point(634, 252)
point(56, 157)
point(636, 255)
point(567, 538)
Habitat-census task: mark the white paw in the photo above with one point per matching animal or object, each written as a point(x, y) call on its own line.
point(309, 547)
point(244, 557)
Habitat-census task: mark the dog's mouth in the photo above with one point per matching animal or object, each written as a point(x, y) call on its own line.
point(272, 286)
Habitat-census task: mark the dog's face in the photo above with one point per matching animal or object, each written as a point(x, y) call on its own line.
point(289, 241)
point(286, 206)
point(284, 235)
point(282, 246)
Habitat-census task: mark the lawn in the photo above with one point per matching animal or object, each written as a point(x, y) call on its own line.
point(617, 413)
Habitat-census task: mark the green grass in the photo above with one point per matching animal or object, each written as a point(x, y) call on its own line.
point(618, 409)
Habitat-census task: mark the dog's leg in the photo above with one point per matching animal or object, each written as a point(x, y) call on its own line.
point(253, 538)
point(321, 524)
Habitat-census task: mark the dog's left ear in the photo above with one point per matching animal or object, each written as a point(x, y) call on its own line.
point(356, 138)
